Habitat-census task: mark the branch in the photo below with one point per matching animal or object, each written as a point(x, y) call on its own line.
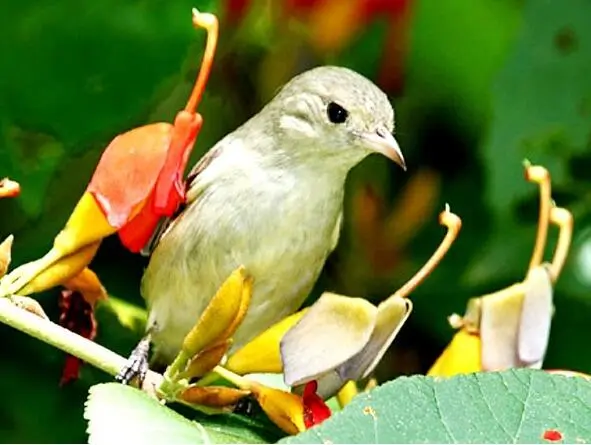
point(68, 341)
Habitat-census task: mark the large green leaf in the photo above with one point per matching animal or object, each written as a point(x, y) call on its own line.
point(118, 413)
point(516, 406)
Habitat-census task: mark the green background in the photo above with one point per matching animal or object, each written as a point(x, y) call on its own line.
point(483, 86)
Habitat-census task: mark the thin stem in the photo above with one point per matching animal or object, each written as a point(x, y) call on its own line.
point(453, 224)
point(172, 372)
point(210, 23)
point(539, 175)
point(564, 220)
point(237, 380)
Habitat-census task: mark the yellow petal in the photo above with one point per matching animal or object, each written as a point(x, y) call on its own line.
point(242, 308)
point(87, 225)
point(285, 409)
point(262, 353)
point(334, 329)
point(461, 356)
point(206, 360)
point(5, 254)
point(213, 396)
point(219, 318)
point(347, 392)
point(29, 304)
point(66, 269)
point(88, 284)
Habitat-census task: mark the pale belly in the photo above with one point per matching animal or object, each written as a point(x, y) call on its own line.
point(283, 244)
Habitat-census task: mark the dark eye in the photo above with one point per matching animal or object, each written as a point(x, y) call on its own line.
point(336, 113)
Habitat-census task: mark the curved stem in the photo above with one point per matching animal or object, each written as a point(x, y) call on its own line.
point(210, 23)
point(453, 224)
point(564, 220)
point(539, 175)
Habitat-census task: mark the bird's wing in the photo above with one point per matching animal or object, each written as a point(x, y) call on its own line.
point(200, 166)
point(165, 222)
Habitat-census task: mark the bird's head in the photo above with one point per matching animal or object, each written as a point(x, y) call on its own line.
point(335, 113)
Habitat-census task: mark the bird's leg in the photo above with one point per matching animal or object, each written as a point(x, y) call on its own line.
point(83, 232)
point(137, 363)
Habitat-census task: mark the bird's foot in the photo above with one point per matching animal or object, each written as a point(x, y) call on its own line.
point(137, 363)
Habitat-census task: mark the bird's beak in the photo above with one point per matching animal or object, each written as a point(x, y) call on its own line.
point(382, 141)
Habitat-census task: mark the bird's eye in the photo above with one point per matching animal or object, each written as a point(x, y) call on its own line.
point(336, 113)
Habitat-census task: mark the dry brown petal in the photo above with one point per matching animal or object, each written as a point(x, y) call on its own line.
point(285, 409)
point(213, 396)
point(30, 305)
point(206, 360)
point(88, 284)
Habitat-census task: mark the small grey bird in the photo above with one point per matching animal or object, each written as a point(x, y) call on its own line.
point(268, 196)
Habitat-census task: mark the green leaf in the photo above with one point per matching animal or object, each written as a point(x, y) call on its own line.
point(515, 406)
point(118, 413)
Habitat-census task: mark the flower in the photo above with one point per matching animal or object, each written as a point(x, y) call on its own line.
point(511, 327)
point(342, 338)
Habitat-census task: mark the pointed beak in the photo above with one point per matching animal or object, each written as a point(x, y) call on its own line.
point(383, 142)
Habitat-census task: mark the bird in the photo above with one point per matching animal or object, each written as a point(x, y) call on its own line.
point(269, 197)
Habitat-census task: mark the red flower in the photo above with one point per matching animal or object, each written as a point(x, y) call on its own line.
point(315, 410)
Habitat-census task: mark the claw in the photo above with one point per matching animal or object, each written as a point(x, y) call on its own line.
point(137, 363)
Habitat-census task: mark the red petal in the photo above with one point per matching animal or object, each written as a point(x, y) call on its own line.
point(77, 315)
point(128, 170)
point(136, 233)
point(315, 410)
point(71, 370)
point(169, 191)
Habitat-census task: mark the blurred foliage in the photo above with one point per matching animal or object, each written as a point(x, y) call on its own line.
point(477, 86)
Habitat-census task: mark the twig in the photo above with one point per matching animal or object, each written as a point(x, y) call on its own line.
point(68, 341)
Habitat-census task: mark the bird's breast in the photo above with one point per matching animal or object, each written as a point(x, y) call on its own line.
point(280, 228)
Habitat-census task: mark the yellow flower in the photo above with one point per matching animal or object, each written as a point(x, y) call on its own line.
point(510, 328)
